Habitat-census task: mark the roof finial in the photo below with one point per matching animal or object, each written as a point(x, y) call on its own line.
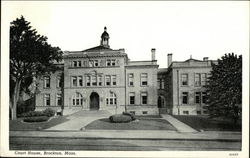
point(190, 56)
point(105, 28)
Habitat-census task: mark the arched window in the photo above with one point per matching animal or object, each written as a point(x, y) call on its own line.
point(77, 99)
point(111, 99)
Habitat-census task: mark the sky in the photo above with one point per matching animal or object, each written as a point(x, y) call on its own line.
point(185, 29)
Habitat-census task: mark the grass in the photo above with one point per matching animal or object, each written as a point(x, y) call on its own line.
point(18, 125)
point(142, 124)
point(209, 124)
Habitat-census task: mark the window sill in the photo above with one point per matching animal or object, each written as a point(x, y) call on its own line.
point(93, 67)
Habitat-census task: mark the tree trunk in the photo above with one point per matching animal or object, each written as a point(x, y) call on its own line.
point(15, 99)
point(125, 108)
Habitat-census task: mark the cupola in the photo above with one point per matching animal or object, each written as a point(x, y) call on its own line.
point(105, 38)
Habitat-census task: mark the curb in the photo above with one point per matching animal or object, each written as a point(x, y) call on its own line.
point(122, 138)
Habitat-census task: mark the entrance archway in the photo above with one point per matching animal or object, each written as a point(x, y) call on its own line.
point(94, 101)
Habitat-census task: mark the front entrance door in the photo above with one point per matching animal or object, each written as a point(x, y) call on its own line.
point(160, 102)
point(94, 101)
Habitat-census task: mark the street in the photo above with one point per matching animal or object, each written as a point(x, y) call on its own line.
point(119, 144)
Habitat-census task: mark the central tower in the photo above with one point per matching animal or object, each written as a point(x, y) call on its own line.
point(105, 38)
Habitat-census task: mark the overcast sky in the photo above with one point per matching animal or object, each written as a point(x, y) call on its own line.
point(199, 29)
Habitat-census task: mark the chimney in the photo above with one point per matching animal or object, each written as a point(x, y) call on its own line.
point(169, 59)
point(205, 59)
point(153, 54)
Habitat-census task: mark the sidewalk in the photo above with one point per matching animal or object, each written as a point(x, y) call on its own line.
point(180, 126)
point(79, 120)
point(132, 134)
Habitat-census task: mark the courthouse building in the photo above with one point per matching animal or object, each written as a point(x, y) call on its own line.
point(102, 78)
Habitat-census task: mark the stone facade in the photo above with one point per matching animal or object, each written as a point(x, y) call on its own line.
point(100, 78)
point(186, 93)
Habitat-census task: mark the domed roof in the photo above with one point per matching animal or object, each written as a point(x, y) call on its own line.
point(105, 34)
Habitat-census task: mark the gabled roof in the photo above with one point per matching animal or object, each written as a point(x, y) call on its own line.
point(97, 49)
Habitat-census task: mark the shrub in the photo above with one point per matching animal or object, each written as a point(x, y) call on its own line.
point(49, 112)
point(120, 118)
point(32, 114)
point(130, 114)
point(36, 119)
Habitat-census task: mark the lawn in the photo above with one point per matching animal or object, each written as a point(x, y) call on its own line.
point(18, 125)
point(207, 124)
point(143, 123)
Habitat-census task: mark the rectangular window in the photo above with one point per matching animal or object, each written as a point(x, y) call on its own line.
point(197, 97)
point(96, 63)
point(204, 97)
point(58, 82)
point(131, 79)
point(158, 84)
point(198, 112)
point(207, 78)
point(87, 80)
point(46, 99)
point(186, 112)
point(162, 83)
point(85, 63)
point(80, 81)
point(91, 63)
point(132, 98)
point(111, 101)
point(144, 79)
point(59, 99)
point(74, 64)
point(100, 80)
point(203, 79)
point(184, 79)
point(74, 81)
point(79, 63)
point(114, 80)
point(144, 112)
point(144, 98)
point(108, 62)
point(107, 101)
point(197, 79)
point(94, 81)
point(113, 62)
point(107, 78)
point(205, 112)
point(184, 97)
point(46, 81)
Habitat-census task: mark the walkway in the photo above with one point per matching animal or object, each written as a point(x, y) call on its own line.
point(180, 126)
point(79, 120)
